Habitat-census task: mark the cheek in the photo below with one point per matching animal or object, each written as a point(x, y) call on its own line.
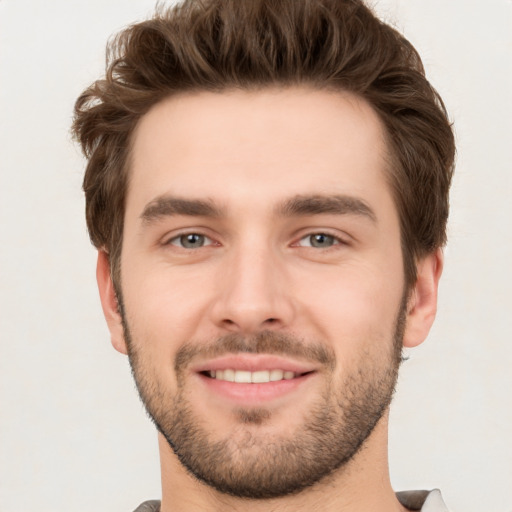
point(164, 305)
point(355, 310)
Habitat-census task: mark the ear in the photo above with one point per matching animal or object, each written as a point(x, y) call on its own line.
point(422, 303)
point(109, 302)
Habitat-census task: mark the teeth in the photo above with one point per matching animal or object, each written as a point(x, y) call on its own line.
point(229, 375)
point(276, 375)
point(259, 377)
point(242, 376)
point(245, 377)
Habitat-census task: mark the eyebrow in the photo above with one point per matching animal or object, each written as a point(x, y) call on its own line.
point(300, 205)
point(303, 205)
point(166, 206)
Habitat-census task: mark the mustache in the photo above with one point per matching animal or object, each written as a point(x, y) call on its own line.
point(264, 342)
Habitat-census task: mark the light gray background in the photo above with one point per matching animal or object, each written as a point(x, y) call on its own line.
point(73, 435)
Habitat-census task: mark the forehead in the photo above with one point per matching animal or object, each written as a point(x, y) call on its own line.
point(257, 146)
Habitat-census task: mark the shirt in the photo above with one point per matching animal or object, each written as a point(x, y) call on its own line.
point(424, 501)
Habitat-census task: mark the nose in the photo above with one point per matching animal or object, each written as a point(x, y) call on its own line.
point(254, 293)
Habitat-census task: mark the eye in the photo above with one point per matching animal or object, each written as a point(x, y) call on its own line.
point(190, 241)
point(319, 241)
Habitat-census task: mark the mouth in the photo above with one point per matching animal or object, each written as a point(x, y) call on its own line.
point(253, 379)
point(256, 377)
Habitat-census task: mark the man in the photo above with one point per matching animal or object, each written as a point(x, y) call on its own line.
point(267, 188)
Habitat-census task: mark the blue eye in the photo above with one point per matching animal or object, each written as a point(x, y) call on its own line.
point(319, 241)
point(191, 241)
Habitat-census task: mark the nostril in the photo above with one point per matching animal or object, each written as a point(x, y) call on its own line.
point(250, 324)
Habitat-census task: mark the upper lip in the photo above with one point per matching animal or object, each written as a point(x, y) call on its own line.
point(254, 363)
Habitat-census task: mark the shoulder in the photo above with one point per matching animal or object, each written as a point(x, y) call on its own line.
point(149, 506)
point(424, 501)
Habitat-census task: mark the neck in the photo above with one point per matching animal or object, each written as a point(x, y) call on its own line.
point(361, 485)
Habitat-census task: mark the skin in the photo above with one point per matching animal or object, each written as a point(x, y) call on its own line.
point(249, 153)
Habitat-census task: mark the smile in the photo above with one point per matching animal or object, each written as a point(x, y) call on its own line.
point(248, 377)
point(252, 379)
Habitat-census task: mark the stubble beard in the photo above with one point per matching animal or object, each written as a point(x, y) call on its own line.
point(247, 465)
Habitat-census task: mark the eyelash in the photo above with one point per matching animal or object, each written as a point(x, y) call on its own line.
point(336, 241)
point(183, 236)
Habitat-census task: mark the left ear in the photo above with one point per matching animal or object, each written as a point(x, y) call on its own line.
point(422, 303)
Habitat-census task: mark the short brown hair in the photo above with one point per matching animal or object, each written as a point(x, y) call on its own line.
point(215, 45)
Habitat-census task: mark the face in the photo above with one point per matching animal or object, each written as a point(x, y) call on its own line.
point(262, 283)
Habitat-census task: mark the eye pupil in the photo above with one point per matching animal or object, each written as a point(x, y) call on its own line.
point(321, 240)
point(192, 240)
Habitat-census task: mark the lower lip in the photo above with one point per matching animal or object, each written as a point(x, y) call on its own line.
point(245, 393)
